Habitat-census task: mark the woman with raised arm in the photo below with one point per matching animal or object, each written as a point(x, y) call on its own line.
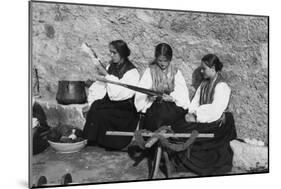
point(112, 106)
point(162, 76)
point(208, 114)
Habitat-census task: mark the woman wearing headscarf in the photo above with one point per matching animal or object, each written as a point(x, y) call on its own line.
point(112, 106)
point(208, 114)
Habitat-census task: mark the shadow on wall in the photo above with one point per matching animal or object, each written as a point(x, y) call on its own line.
point(196, 78)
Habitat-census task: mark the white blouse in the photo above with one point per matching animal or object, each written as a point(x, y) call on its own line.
point(115, 92)
point(208, 113)
point(180, 93)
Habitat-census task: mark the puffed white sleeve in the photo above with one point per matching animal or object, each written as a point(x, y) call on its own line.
point(142, 103)
point(180, 93)
point(96, 91)
point(211, 112)
point(116, 92)
point(194, 104)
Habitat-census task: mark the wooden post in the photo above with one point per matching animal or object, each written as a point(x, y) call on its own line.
point(167, 163)
point(157, 161)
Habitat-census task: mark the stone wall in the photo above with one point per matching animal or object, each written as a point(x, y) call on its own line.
point(241, 42)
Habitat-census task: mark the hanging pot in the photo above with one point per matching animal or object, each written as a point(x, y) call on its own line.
point(71, 92)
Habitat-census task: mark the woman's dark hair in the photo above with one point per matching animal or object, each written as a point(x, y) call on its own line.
point(121, 47)
point(212, 60)
point(165, 50)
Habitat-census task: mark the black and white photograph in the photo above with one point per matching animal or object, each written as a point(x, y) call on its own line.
point(122, 94)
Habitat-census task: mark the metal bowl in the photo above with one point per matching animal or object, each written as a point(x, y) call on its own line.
point(68, 147)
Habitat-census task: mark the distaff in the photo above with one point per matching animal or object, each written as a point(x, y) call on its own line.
point(95, 59)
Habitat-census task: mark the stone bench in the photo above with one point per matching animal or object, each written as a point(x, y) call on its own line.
point(249, 157)
point(63, 114)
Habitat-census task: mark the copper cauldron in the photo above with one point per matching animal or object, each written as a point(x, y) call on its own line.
point(71, 92)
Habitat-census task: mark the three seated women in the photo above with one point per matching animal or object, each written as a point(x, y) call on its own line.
point(114, 108)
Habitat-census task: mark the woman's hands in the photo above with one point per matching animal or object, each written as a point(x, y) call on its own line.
point(168, 98)
point(152, 98)
point(89, 82)
point(101, 70)
point(99, 78)
point(190, 118)
point(164, 97)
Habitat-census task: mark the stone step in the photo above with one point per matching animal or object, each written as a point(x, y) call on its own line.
point(249, 157)
point(63, 114)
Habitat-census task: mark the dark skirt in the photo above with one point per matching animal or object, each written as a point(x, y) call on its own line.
point(39, 138)
point(162, 114)
point(106, 115)
point(207, 156)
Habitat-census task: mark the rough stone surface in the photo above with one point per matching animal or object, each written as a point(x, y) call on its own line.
point(249, 157)
point(63, 114)
point(95, 165)
point(241, 42)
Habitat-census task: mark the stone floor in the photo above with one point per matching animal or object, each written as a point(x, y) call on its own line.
point(92, 165)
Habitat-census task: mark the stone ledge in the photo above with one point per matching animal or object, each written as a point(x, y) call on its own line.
point(249, 157)
point(63, 114)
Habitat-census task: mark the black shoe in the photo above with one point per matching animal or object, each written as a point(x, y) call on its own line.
point(42, 181)
point(66, 179)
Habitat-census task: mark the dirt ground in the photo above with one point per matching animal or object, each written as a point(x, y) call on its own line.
point(93, 165)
